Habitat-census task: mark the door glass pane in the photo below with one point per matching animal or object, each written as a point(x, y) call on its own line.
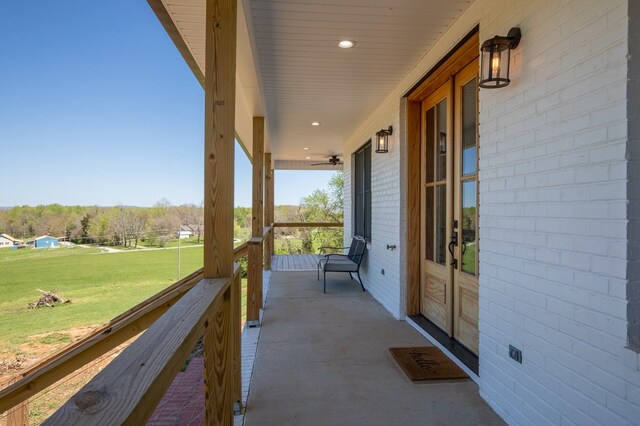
point(441, 224)
point(429, 138)
point(469, 227)
point(469, 118)
point(428, 223)
point(441, 140)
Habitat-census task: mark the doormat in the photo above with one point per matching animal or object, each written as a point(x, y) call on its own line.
point(426, 363)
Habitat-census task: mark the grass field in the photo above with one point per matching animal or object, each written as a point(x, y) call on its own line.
point(100, 285)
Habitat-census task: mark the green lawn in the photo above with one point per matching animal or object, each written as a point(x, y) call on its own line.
point(174, 243)
point(469, 259)
point(100, 285)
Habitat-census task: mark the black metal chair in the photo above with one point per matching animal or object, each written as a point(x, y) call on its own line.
point(349, 262)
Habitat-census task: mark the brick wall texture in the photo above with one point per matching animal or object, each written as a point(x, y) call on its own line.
point(559, 210)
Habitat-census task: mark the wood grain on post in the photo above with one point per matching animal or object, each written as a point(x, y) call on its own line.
point(257, 215)
point(268, 208)
point(18, 415)
point(413, 126)
point(254, 273)
point(236, 329)
point(254, 280)
point(219, 108)
point(218, 363)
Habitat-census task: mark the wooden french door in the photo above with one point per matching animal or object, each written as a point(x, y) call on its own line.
point(449, 207)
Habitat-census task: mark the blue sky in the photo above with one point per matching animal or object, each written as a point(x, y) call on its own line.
point(98, 107)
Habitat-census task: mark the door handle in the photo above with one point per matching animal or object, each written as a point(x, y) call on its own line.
point(453, 242)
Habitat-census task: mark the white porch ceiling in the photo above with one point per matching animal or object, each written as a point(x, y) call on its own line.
point(294, 69)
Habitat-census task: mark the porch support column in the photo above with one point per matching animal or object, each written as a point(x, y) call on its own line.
point(254, 273)
point(221, 374)
point(219, 109)
point(268, 209)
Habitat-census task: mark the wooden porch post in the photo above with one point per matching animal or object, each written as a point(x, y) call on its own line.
point(219, 88)
point(220, 82)
point(268, 208)
point(254, 274)
point(18, 415)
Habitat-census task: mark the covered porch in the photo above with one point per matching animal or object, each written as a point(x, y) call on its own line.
point(324, 359)
point(535, 172)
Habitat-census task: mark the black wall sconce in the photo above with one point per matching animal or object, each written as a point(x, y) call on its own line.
point(494, 68)
point(382, 140)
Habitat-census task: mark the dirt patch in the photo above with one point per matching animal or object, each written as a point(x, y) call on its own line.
point(35, 348)
point(40, 346)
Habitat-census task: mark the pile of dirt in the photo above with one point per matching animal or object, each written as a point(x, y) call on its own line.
point(12, 365)
point(48, 300)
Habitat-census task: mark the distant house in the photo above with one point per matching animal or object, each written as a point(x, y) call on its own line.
point(8, 241)
point(185, 232)
point(45, 241)
point(198, 230)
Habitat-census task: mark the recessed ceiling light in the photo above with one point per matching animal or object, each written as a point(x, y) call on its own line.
point(346, 44)
point(308, 158)
point(305, 148)
point(315, 123)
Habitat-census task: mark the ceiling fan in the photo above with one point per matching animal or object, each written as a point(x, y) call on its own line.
point(334, 160)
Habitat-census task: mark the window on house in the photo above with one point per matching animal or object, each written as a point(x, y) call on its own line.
point(361, 160)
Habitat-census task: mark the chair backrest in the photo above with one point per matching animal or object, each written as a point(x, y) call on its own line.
point(356, 249)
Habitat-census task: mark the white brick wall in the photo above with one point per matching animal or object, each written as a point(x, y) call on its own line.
point(385, 211)
point(559, 163)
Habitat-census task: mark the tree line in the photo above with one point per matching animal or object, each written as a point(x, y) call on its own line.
point(127, 226)
point(118, 225)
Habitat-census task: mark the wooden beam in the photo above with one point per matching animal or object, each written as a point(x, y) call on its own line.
point(254, 267)
point(18, 415)
point(257, 210)
point(236, 338)
point(128, 389)
point(455, 61)
point(241, 251)
point(265, 233)
point(413, 207)
point(218, 363)
point(254, 281)
point(308, 225)
point(219, 108)
point(268, 208)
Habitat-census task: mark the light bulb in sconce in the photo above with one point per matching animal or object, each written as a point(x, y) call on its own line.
point(495, 63)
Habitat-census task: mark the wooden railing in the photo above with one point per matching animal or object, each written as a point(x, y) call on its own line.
point(308, 225)
point(161, 312)
point(100, 341)
point(259, 258)
point(129, 388)
point(13, 398)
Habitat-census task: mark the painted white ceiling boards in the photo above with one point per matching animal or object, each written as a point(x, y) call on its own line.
point(300, 75)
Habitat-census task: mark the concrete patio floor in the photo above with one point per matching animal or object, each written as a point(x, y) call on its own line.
point(323, 359)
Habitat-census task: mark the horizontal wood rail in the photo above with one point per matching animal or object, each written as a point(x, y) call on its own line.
point(308, 225)
point(100, 341)
point(128, 389)
point(241, 251)
point(95, 344)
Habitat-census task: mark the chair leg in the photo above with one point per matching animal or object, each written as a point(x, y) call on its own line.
point(360, 279)
point(324, 290)
point(350, 276)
